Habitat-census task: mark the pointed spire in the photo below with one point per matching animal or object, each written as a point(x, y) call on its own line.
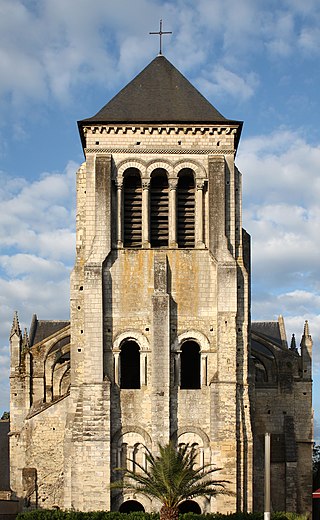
point(15, 329)
point(293, 345)
point(306, 329)
point(25, 340)
point(306, 352)
point(282, 331)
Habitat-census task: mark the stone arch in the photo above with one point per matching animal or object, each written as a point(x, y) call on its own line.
point(134, 496)
point(61, 380)
point(263, 353)
point(128, 429)
point(195, 166)
point(192, 335)
point(163, 164)
point(130, 163)
point(198, 440)
point(132, 335)
point(53, 373)
point(129, 506)
point(189, 506)
point(194, 430)
point(129, 446)
point(144, 350)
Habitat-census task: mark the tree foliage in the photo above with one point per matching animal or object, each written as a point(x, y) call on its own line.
point(316, 466)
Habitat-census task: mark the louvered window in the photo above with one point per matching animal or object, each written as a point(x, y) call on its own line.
point(132, 200)
point(186, 209)
point(159, 209)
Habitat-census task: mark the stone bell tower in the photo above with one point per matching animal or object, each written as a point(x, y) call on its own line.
point(159, 292)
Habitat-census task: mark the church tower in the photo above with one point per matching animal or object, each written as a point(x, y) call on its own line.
point(159, 293)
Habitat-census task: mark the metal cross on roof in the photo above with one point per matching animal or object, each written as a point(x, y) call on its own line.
point(161, 32)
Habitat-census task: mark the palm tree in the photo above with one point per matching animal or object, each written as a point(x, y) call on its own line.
point(171, 477)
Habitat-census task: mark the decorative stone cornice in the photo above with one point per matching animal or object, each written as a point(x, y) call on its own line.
point(162, 129)
point(173, 151)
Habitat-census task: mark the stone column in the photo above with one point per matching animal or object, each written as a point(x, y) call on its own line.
point(143, 368)
point(145, 213)
point(178, 368)
point(130, 455)
point(173, 212)
point(199, 238)
point(119, 185)
point(117, 368)
point(203, 379)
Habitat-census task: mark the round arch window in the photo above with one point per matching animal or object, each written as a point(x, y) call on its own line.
point(190, 365)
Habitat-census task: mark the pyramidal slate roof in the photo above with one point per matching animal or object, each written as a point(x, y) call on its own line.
point(159, 94)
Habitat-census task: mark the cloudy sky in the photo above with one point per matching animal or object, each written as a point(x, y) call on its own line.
point(255, 60)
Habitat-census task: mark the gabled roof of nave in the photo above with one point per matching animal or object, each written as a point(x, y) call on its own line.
point(159, 94)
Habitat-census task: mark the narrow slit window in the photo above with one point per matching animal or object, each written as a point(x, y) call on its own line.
point(186, 209)
point(159, 209)
point(132, 210)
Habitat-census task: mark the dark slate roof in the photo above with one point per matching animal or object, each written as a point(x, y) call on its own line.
point(42, 329)
point(270, 330)
point(159, 94)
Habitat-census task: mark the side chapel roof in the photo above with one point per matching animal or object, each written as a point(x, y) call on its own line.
point(269, 330)
point(42, 329)
point(159, 94)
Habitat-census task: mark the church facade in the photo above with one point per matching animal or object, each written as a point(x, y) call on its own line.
point(160, 344)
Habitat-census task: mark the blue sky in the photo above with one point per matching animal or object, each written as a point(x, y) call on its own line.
point(254, 60)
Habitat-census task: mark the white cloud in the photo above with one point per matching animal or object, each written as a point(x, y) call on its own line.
point(39, 217)
point(37, 235)
point(222, 81)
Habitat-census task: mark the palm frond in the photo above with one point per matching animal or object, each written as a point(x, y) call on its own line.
point(171, 476)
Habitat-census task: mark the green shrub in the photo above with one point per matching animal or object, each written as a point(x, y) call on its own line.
point(45, 514)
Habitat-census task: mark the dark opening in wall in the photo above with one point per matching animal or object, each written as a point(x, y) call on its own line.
point(130, 365)
point(132, 208)
point(189, 506)
point(130, 505)
point(159, 209)
point(186, 209)
point(190, 365)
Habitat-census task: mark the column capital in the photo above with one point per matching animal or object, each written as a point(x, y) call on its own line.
point(200, 184)
point(173, 181)
point(119, 182)
point(145, 182)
